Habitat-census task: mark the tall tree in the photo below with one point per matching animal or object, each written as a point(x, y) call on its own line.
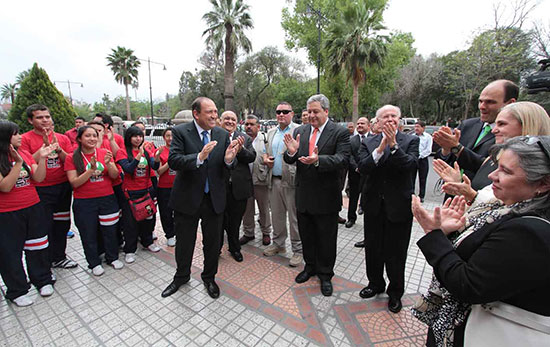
point(124, 65)
point(226, 25)
point(8, 92)
point(37, 88)
point(354, 43)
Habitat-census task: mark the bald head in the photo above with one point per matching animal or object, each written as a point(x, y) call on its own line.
point(229, 121)
point(362, 125)
point(494, 97)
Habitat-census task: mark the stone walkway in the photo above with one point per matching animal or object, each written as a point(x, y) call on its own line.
point(260, 304)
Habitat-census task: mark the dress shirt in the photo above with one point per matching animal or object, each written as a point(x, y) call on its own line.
point(376, 156)
point(200, 130)
point(278, 146)
point(425, 146)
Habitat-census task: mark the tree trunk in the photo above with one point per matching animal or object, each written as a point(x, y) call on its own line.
point(355, 102)
point(128, 115)
point(229, 70)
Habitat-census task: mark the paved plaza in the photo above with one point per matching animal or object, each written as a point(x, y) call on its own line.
point(260, 304)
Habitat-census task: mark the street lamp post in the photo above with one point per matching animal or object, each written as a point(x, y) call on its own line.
point(69, 85)
point(151, 86)
point(312, 10)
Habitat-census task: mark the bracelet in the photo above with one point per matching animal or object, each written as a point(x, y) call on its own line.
point(470, 202)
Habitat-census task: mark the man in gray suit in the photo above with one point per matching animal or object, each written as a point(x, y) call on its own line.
point(261, 192)
point(282, 187)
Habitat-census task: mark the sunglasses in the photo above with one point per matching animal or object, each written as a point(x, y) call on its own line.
point(283, 111)
point(531, 140)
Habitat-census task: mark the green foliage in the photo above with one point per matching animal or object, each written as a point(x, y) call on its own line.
point(124, 65)
point(37, 88)
point(8, 92)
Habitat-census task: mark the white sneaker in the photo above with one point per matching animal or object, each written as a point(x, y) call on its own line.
point(98, 270)
point(46, 290)
point(273, 249)
point(295, 260)
point(117, 264)
point(22, 301)
point(153, 248)
point(171, 242)
point(130, 258)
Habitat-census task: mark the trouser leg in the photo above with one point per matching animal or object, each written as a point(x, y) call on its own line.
point(211, 226)
point(119, 194)
point(166, 213)
point(325, 234)
point(248, 217)
point(261, 195)
point(289, 199)
point(278, 212)
point(232, 221)
point(305, 226)
point(108, 222)
point(354, 191)
point(374, 250)
point(86, 213)
point(396, 244)
point(12, 241)
point(423, 166)
point(186, 236)
point(36, 247)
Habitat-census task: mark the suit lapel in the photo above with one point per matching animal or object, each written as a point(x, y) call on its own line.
point(373, 142)
point(485, 138)
point(476, 130)
point(304, 141)
point(325, 135)
point(194, 135)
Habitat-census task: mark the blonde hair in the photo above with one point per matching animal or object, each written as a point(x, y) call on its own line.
point(533, 118)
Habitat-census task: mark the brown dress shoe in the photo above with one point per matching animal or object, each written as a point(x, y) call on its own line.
point(245, 239)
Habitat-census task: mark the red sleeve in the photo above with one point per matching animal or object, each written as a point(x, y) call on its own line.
point(65, 143)
point(121, 154)
point(119, 140)
point(69, 163)
point(25, 143)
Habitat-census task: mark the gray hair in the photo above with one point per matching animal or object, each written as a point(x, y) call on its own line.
point(385, 107)
point(535, 163)
point(323, 100)
point(251, 116)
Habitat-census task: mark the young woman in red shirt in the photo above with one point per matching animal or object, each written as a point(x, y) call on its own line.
point(166, 181)
point(22, 218)
point(90, 171)
point(137, 164)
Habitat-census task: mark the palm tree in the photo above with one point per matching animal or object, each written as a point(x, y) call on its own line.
point(353, 43)
point(226, 25)
point(8, 92)
point(124, 65)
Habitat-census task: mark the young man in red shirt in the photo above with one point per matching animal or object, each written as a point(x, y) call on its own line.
point(55, 191)
point(71, 133)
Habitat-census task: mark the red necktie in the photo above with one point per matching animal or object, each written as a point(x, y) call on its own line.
point(312, 140)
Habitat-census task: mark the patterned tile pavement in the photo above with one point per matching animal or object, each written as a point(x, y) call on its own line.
point(260, 305)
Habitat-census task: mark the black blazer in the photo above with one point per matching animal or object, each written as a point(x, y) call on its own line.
point(241, 177)
point(318, 189)
point(505, 261)
point(390, 182)
point(472, 156)
point(188, 189)
point(355, 146)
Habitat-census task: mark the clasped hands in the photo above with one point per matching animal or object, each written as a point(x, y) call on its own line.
point(45, 138)
point(455, 182)
point(292, 146)
point(230, 153)
point(446, 139)
point(389, 130)
point(448, 218)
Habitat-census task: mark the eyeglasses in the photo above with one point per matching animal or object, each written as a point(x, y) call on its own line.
point(530, 140)
point(283, 111)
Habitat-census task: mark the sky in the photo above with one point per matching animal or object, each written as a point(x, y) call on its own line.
point(71, 39)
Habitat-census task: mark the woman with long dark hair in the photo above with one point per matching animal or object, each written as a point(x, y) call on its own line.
point(90, 171)
point(22, 218)
point(137, 164)
point(166, 181)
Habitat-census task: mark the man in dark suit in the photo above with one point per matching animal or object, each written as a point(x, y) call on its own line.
point(238, 185)
point(200, 153)
point(471, 141)
point(320, 150)
point(354, 178)
point(389, 160)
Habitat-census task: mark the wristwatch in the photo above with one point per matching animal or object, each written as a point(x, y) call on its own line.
point(394, 148)
point(456, 149)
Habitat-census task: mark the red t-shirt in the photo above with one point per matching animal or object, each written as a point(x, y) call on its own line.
point(107, 145)
point(99, 184)
point(23, 194)
point(71, 135)
point(166, 180)
point(55, 174)
point(140, 179)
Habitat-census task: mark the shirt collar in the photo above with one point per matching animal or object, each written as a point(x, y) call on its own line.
point(200, 130)
point(321, 127)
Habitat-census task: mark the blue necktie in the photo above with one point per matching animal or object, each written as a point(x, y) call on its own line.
point(204, 142)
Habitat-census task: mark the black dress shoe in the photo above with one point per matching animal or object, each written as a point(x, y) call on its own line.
point(237, 255)
point(326, 288)
point(171, 289)
point(212, 289)
point(394, 305)
point(368, 292)
point(245, 239)
point(360, 212)
point(360, 244)
point(350, 223)
point(303, 276)
point(341, 220)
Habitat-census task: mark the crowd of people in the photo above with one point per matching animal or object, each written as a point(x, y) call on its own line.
point(488, 244)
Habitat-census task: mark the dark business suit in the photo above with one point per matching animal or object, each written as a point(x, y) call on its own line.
point(239, 189)
point(354, 178)
point(387, 208)
point(191, 203)
point(319, 196)
point(472, 156)
point(503, 261)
